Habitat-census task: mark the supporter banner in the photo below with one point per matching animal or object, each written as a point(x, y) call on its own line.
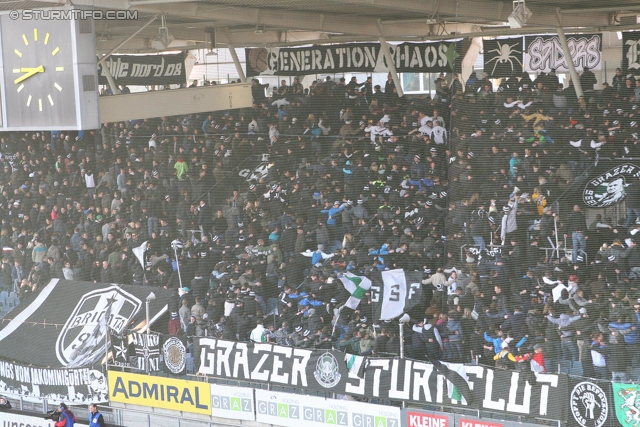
point(232, 402)
point(416, 418)
point(590, 403)
point(147, 350)
point(395, 292)
point(626, 399)
point(494, 390)
point(9, 418)
point(544, 53)
point(174, 354)
point(64, 328)
point(606, 186)
point(292, 410)
point(503, 57)
point(144, 69)
point(360, 57)
point(120, 350)
point(160, 392)
point(630, 51)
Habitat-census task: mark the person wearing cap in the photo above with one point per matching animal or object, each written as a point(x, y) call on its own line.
point(67, 418)
point(537, 360)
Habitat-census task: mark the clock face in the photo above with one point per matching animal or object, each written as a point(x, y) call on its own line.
point(38, 73)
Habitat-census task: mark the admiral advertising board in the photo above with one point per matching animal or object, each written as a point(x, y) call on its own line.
point(152, 391)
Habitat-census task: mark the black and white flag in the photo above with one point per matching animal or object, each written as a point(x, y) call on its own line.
point(120, 350)
point(395, 292)
point(147, 349)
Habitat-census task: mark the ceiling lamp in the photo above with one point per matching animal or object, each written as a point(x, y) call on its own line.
point(520, 15)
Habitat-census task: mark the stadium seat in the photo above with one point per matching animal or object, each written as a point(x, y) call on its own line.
point(634, 375)
point(576, 369)
point(4, 294)
point(13, 294)
point(564, 366)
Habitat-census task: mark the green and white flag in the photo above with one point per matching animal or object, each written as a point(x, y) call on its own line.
point(356, 364)
point(627, 403)
point(357, 287)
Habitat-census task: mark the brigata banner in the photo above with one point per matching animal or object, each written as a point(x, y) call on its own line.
point(55, 344)
point(360, 57)
point(160, 392)
point(544, 53)
point(144, 70)
point(488, 389)
point(232, 402)
point(294, 410)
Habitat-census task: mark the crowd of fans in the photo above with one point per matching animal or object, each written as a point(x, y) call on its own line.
point(472, 187)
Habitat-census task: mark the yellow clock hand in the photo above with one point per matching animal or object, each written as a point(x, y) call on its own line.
point(28, 73)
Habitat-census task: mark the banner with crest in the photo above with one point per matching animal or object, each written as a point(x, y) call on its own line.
point(55, 344)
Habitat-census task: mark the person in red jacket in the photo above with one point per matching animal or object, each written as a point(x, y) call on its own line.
point(67, 419)
point(174, 326)
point(537, 361)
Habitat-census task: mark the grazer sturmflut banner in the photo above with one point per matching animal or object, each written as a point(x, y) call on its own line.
point(607, 185)
point(544, 53)
point(361, 57)
point(54, 344)
point(144, 70)
point(492, 390)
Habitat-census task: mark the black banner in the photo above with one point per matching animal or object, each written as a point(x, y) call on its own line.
point(544, 53)
point(55, 344)
point(607, 184)
point(144, 70)
point(630, 52)
point(503, 58)
point(590, 403)
point(360, 57)
point(394, 379)
point(147, 352)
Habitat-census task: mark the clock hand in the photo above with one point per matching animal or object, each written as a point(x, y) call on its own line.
point(28, 73)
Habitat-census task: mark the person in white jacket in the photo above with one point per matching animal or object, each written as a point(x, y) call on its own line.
point(258, 333)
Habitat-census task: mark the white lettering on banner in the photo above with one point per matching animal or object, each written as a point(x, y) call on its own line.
point(417, 419)
point(215, 360)
point(421, 381)
point(545, 53)
point(632, 53)
point(544, 392)
point(512, 406)
point(377, 365)
point(385, 378)
point(487, 402)
point(403, 394)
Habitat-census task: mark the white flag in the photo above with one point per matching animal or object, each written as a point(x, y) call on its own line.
point(139, 253)
point(398, 293)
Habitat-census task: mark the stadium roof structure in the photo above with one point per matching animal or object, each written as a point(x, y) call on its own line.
point(271, 23)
